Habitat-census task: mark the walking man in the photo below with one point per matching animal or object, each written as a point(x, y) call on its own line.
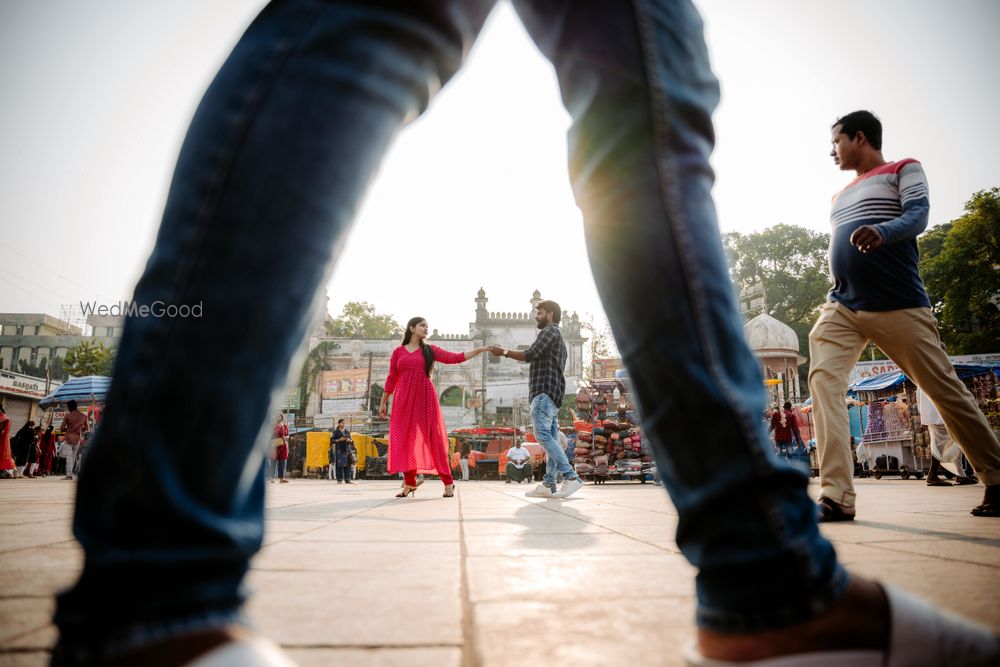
point(73, 426)
point(546, 389)
point(878, 296)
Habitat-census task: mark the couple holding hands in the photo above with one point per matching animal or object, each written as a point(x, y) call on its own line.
point(418, 438)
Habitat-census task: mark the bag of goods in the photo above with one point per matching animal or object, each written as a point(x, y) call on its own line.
point(646, 458)
point(581, 451)
point(627, 442)
point(600, 439)
point(599, 431)
point(585, 437)
point(614, 436)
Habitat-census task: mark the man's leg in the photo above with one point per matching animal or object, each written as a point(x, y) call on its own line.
point(543, 412)
point(464, 464)
point(285, 141)
point(834, 346)
point(636, 81)
point(910, 338)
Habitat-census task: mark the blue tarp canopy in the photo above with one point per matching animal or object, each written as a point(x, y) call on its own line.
point(81, 390)
point(897, 377)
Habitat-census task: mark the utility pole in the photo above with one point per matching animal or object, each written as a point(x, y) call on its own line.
point(367, 406)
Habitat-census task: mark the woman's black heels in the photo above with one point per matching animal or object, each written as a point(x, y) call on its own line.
point(407, 491)
point(449, 490)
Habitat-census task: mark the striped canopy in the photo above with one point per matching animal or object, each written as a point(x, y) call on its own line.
point(82, 390)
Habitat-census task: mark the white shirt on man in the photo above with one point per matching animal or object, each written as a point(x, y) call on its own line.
point(518, 455)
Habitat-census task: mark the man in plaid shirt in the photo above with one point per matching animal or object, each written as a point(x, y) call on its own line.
point(546, 388)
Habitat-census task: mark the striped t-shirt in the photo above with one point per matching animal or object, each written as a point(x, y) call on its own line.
point(894, 197)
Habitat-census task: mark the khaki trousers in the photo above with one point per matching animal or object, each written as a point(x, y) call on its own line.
point(910, 338)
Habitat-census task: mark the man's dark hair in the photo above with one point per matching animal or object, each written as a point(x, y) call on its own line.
point(788, 405)
point(340, 421)
point(71, 405)
point(862, 121)
point(551, 307)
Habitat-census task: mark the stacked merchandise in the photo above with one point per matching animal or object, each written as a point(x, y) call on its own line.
point(886, 422)
point(610, 448)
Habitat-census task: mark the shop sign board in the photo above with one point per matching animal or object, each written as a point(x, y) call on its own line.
point(347, 383)
point(865, 369)
point(24, 385)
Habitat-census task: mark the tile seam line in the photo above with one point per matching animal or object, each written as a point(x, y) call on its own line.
point(470, 653)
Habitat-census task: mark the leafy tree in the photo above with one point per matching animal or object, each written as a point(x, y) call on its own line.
point(39, 369)
point(314, 364)
point(790, 262)
point(89, 359)
point(359, 320)
point(960, 264)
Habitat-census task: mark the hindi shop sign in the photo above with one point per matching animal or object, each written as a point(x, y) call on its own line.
point(23, 385)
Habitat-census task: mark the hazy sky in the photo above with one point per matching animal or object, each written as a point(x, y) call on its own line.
point(97, 95)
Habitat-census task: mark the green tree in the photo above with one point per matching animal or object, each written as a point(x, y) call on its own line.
point(359, 320)
point(38, 369)
point(960, 264)
point(89, 359)
point(790, 262)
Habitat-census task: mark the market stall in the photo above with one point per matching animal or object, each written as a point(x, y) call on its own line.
point(893, 435)
point(611, 447)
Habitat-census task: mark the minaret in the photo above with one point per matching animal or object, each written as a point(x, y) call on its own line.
point(482, 317)
point(536, 298)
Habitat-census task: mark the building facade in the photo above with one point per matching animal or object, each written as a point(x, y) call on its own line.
point(30, 342)
point(487, 388)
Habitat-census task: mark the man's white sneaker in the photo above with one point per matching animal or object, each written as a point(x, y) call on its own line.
point(569, 487)
point(541, 491)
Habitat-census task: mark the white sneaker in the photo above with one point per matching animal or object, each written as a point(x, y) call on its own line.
point(250, 652)
point(569, 487)
point(541, 491)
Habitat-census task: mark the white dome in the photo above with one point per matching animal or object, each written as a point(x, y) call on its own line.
point(766, 333)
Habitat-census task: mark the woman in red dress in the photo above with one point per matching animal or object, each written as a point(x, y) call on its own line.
point(418, 440)
point(279, 456)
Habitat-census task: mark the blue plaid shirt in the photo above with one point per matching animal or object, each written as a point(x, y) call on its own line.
point(547, 356)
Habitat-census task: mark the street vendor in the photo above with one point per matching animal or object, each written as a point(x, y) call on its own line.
point(518, 463)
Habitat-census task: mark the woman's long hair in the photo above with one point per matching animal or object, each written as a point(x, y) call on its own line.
point(424, 349)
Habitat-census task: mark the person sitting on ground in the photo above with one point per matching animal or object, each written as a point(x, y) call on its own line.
point(518, 464)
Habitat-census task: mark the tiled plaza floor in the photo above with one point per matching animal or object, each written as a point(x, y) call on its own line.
point(351, 576)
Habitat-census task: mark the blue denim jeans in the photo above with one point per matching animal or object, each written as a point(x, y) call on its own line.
point(283, 145)
point(545, 424)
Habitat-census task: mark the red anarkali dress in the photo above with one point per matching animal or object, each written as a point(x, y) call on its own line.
point(418, 439)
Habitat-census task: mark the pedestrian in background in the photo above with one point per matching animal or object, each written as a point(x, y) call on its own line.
point(340, 446)
point(279, 447)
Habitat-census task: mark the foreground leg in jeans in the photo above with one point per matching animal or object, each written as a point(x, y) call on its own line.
point(285, 141)
point(544, 414)
point(635, 78)
point(287, 137)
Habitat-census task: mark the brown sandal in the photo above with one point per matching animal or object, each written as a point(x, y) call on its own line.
point(830, 511)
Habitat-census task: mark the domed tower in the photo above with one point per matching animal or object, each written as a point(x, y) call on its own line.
point(536, 298)
point(777, 347)
point(481, 315)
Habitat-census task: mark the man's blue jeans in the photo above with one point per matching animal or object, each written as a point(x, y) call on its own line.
point(545, 424)
point(282, 146)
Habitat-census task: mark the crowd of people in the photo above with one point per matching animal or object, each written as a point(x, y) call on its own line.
point(31, 452)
